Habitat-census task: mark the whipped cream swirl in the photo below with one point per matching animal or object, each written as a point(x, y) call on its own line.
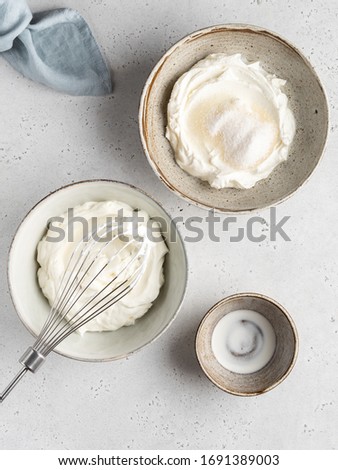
point(53, 257)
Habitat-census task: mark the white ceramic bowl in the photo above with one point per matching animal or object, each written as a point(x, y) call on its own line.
point(33, 307)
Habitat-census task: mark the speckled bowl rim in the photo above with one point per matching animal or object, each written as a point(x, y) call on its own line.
point(122, 356)
point(152, 77)
point(242, 295)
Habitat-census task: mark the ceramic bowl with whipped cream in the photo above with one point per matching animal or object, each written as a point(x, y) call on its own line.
point(233, 118)
point(43, 245)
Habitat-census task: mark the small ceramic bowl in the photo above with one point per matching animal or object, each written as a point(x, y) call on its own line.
point(33, 307)
point(306, 99)
point(279, 366)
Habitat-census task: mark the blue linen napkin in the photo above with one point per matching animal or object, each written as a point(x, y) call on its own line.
point(55, 48)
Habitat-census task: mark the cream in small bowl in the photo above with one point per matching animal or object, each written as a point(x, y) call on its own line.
point(247, 344)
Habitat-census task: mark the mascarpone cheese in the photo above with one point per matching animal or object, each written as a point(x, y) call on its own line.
point(229, 122)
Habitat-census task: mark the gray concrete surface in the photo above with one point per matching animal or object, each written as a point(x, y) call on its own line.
point(159, 398)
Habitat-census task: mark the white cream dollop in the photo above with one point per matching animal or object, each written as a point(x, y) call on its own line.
point(53, 257)
point(229, 122)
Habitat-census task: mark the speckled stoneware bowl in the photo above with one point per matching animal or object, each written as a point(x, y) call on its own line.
point(306, 98)
point(33, 307)
point(279, 366)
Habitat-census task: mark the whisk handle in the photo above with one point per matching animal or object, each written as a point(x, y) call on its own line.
point(31, 360)
point(12, 384)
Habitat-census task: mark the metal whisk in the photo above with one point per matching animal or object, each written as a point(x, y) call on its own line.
point(85, 267)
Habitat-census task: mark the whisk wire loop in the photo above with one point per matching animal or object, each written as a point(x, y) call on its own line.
point(66, 314)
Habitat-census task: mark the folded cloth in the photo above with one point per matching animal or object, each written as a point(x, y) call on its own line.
point(55, 48)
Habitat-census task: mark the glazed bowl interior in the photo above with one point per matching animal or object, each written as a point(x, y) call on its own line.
point(33, 307)
point(306, 99)
point(274, 371)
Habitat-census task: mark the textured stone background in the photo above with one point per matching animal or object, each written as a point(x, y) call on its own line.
point(159, 399)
